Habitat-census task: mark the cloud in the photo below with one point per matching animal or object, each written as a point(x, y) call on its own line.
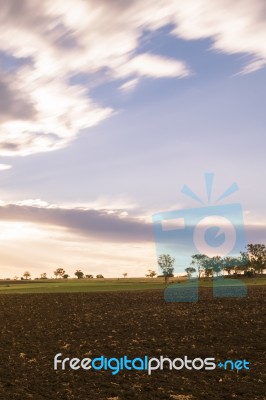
point(42, 111)
point(103, 239)
point(95, 224)
point(4, 167)
point(256, 233)
point(253, 66)
point(33, 203)
point(153, 66)
point(116, 225)
point(130, 85)
point(13, 105)
point(234, 27)
point(49, 118)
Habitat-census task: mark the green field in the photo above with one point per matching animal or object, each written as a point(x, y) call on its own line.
point(79, 285)
point(100, 285)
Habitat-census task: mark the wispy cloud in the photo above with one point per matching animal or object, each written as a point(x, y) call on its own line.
point(153, 66)
point(130, 85)
point(43, 112)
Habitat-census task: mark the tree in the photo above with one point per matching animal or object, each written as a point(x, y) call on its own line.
point(216, 264)
point(27, 275)
point(206, 266)
point(99, 276)
point(151, 273)
point(208, 272)
point(241, 263)
point(228, 264)
point(198, 261)
point(212, 265)
point(89, 276)
point(190, 271)
point(44, 275)
point(257, 257)
point(15, 278)
point(59, 272)
point(65, 276)
point(125, 274)
point(166, 263)
point(79, 274)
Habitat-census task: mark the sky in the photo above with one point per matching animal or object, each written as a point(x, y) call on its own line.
point(107, 109)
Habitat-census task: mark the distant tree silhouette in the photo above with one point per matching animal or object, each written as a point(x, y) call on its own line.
point(59, 272)
point(151, 274)
point(79, 274)
point(26, 275)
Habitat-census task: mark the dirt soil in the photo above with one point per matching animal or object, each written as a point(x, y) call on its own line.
point(36, 327)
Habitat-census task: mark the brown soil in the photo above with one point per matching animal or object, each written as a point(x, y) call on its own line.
point(36, 327)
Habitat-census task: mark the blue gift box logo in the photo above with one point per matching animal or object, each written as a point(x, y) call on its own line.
point(213, 230)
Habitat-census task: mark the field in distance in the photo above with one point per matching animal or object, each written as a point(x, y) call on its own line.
point(103, 285)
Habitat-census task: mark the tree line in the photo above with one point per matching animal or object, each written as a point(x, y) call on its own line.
point(251, 262)
point(60, 273)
